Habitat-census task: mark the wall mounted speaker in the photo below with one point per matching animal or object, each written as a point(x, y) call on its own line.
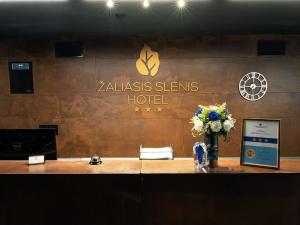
point(20, 76)
point(271, 47)
point(68, 49)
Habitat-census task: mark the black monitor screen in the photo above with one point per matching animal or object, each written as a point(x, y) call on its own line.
point(19, 144)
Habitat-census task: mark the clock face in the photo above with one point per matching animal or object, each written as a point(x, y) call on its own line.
point(253, 86)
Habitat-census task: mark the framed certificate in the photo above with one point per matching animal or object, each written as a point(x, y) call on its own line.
point(261, 143)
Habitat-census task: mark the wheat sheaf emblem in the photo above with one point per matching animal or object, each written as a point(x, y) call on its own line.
point(148, 62)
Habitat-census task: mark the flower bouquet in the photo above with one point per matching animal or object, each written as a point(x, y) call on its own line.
point(212, 121)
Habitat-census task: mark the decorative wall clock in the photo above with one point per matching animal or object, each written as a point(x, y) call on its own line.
point(253, 86)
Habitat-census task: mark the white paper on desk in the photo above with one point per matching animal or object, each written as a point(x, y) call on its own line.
point(156, 153)
point(37, 159)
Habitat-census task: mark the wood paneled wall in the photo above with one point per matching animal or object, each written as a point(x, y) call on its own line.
point(89, 122)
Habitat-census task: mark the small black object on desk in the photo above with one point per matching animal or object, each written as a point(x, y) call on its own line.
point(95, 160)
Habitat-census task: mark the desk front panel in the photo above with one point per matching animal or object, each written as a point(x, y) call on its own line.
point(148, 193)
point(70, 199)
point(221, 199)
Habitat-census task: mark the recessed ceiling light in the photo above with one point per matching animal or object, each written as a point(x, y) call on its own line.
point(181, 4)
point(146, 4)
point(110, 3)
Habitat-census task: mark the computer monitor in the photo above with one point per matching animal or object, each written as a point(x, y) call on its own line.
point(19, 144)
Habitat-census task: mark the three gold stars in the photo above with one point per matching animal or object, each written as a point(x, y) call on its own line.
point(148, 109)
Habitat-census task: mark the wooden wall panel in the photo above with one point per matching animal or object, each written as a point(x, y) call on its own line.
point(19, 48)
point(122, 136)
point(7, 122)
point(34, 107)
point(4, 80)
point(78, 137)
point(293, 48)
point(63, 76)
point(92, 122)
point(4, 106)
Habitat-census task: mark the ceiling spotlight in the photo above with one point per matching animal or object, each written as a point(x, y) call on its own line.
point(146, 4)
point(110, 3)
point(181, 4)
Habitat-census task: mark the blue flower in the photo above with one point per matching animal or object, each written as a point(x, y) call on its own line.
point(213, 116)
point(198, 111)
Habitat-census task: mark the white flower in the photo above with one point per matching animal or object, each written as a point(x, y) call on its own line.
point(228, 124)
point(216, 126)
point(198, 124)
point(213, 108)
point(206, 128)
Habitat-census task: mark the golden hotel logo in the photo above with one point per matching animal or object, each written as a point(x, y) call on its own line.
point(148, 95)
point(148, 62)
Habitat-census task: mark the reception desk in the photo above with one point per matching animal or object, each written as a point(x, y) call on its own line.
point(136, 166)
point(131, 191)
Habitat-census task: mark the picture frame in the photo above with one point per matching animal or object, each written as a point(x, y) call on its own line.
point(260, 144)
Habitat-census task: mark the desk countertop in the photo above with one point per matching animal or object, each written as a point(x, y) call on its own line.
point(135, 166)
point(74, 166)
point(226, 165)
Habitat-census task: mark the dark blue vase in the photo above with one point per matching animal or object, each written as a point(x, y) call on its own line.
point(212, 143)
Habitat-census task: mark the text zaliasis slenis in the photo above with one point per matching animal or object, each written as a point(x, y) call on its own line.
point(150, 93)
